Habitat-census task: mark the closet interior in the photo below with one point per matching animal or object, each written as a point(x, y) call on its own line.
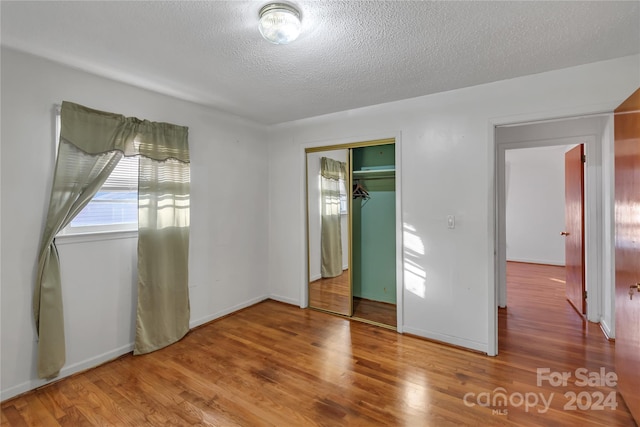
point(351, 230)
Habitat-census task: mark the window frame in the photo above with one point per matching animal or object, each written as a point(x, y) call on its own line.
point(344, 202)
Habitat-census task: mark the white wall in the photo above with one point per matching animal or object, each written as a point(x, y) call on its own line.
point(535, 205)
point(229, 219)
point(447, 169)
point(314, 212)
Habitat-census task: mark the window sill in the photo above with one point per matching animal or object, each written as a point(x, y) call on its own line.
point(67, 239)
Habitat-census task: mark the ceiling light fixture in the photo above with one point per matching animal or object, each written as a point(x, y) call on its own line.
point(279, 23)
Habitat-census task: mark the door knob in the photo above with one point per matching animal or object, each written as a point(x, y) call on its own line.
point(632, 287)
point(564, 233)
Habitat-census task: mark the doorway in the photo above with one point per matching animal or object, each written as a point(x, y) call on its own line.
point(592, 131)
point(536, 236)
point(373, 234)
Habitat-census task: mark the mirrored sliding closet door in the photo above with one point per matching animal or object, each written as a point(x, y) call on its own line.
point(351, 230)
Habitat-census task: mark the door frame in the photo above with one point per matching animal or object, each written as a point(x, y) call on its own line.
point(591, 221)
point(594, 222)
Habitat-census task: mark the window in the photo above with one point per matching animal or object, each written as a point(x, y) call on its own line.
point(343, 197)
point(115, 206)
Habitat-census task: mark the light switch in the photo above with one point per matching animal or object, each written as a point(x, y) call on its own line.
point(451, 221)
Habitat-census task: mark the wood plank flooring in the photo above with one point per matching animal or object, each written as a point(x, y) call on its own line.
point(277, 365)
point(332, 294)
point(375, 311)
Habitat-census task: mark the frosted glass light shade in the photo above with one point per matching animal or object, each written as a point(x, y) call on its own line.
point(279, 23)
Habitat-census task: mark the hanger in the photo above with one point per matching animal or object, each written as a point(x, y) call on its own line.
point(359, 191)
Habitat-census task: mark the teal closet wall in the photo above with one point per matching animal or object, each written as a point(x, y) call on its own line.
point(373, 233)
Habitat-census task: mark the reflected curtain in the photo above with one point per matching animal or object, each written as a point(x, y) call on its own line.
point(91, 144)
point(332, 172)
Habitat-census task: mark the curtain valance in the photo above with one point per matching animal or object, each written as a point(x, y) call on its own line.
point(97, 132)
point(332, 169)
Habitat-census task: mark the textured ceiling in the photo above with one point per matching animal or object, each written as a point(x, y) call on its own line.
point(350, 54)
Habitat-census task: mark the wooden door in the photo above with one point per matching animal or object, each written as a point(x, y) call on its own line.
point(627, 251)
point(574, 228)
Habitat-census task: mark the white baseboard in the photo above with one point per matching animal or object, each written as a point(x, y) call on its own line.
point(285, 300)
point(229, 310)
point(66, 371)
point(113, 354)
point(606, 329)
point(447, 339)
point(319, 276)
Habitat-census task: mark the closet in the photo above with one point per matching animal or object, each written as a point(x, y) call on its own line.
point(351, 230)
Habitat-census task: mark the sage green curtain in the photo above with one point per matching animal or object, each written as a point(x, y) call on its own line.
point(77, 178)
point(91, 144)
point(163, 253)
point(332, 172)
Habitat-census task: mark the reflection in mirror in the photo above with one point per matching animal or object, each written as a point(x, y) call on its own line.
point(328, 231)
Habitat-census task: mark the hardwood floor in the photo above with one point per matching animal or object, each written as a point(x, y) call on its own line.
point(332, 294)
point(541, 329)
point(277, 365)
point(375, 311)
